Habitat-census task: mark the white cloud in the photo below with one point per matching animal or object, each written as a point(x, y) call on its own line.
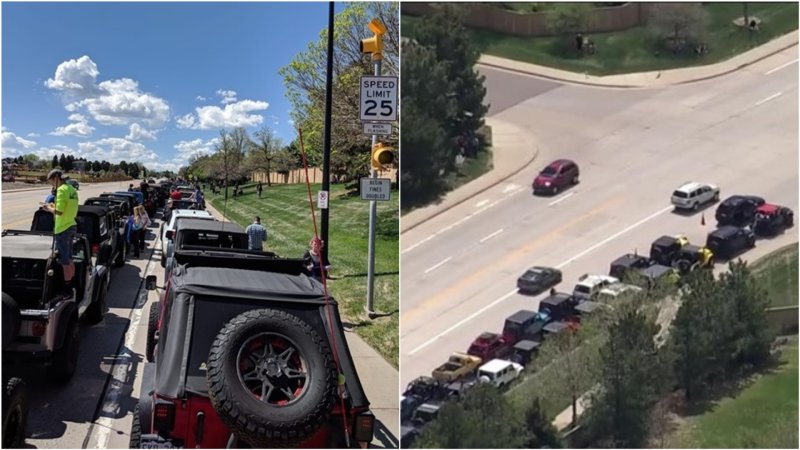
point(79, 128)
point(34, 134)
point(13, 145)
point(233, 115)
point(111, 102)
point(75, 77)
point(197, 147)
point(137, 133)
point(227, 96)
point(118, 149)
point(291, 122)
point(200, 98)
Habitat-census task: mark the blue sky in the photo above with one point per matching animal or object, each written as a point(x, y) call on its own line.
point(153, 82)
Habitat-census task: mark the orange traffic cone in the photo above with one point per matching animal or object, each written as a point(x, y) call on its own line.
point(703, 219)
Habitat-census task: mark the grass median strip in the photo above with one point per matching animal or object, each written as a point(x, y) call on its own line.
point(285, 213)
point(778, 272)
point(634, 50)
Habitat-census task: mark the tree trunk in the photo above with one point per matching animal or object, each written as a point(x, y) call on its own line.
point(269, 171)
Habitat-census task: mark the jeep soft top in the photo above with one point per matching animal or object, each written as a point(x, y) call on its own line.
point(214, 333)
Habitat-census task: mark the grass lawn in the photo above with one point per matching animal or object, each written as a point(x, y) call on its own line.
point(763, 415)
point(633, 50)
point(285, 212)
point(778, 271)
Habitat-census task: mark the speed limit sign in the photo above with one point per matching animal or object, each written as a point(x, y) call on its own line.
point(378, 99)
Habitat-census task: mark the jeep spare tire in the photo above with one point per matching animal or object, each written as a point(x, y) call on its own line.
point(271, 377)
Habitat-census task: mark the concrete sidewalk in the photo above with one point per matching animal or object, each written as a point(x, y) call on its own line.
point(514, 148)
point(656, 78)
point(380, 381)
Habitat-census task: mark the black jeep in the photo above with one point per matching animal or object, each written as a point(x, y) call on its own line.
point(245, 357)
point(738, 210)
point(45, 326)
point(728, 241)
point(198, 234)
point(100, 225)
point(628, 263)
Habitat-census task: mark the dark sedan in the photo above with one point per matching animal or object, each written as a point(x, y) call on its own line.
point(537, 279)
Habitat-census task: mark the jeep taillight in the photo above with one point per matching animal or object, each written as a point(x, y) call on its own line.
point(164, 415)
point(95, 249)
point(364, 426)
point(38, 328)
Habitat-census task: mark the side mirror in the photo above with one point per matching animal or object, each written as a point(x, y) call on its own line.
point(170, 233)
point(150, 282)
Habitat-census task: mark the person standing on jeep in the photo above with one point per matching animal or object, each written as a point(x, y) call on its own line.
point(256, 235)
point(65, 211)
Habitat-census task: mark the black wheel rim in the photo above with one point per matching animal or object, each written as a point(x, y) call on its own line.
point(272, 369)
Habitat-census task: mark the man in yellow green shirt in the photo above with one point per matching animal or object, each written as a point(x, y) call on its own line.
point(65, 210)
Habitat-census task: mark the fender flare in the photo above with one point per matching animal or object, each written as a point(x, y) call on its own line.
point(70, 312)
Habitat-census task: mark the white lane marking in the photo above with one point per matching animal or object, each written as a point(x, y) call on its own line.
point(615, 235)
point(475, 314)
point(562, 198)
point(771, 97)
point(516, 190)
point(782, 66)
point(431, 269)
point(481, 203)
point(119, 374)
point(510, 187)
point(490, 236)
point(579, 255)
point(419, 243)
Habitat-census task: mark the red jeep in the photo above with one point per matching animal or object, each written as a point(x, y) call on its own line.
point(249, 354)
point(489, 346)
point(771, 219)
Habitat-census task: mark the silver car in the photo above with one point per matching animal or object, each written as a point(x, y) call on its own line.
point(693, 194)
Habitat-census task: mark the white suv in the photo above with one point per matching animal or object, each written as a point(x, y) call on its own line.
point(166, 227)
point(693, 194)
point(499, 372)
point(589, 286)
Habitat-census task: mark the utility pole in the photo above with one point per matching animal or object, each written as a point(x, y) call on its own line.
point(326, 151)
point(380, 155)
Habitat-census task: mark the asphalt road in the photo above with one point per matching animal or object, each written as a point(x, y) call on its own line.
point(634, 147)
point(94, 409)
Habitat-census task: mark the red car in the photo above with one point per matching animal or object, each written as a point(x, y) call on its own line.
point(558, 175)
point(489, 346)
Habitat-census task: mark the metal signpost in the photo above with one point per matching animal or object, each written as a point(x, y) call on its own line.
point(378, 109)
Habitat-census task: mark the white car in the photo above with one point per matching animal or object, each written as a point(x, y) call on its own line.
point(693, 194)
point(499, 372)
point(615, 290)
point(589, 286)
point(165, 227)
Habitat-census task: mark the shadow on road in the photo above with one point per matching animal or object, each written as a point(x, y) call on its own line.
point(384, 436)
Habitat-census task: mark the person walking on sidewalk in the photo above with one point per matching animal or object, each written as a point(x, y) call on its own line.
point(256, 235)
point(65, 226)
point(144, 222)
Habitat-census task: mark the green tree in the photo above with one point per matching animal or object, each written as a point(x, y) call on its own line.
point(748, 302)
point(305, 80)
point(541, 430)
point(680, 21)
point(123, 166)
point(133, 170)
point(569, 19)
point(692, 338)
point(483, 419)
point(453, 45)
point(630, 382)
point(263, 150)
point(62, 162)
point(54, 163)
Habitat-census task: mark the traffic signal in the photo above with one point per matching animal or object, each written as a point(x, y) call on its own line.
point(382, 156)
point(374, 45)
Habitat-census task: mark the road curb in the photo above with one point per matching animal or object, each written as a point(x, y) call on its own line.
point(478, 192)
point(630, 86)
